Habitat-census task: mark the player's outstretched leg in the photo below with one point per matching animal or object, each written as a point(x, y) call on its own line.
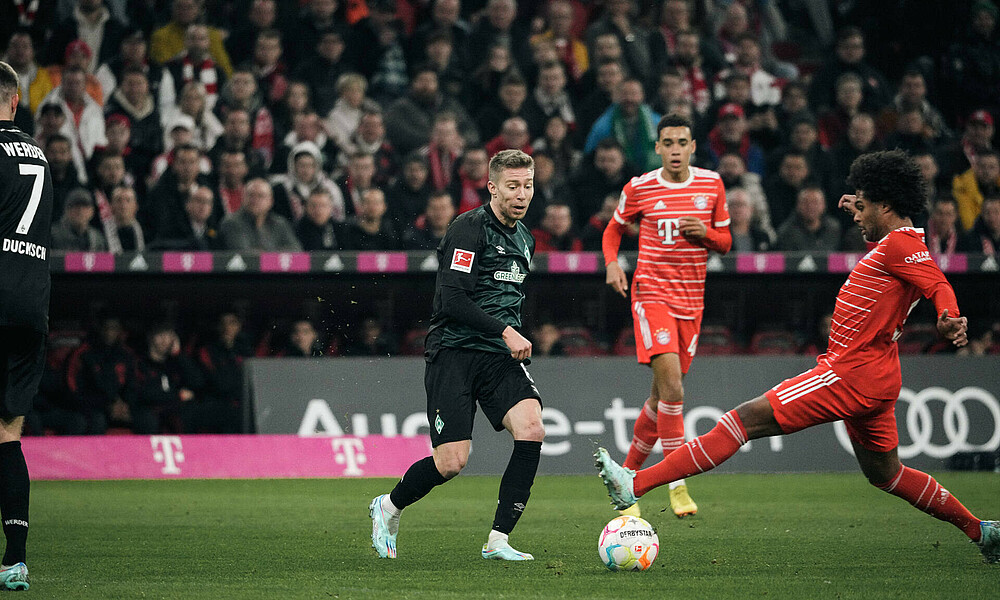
point(14, 491)
point(515, 489)
point(383, 534)
point(617, 478)
point(644, 436)
point(989, 541)
point(14, 577)
point(419, 479)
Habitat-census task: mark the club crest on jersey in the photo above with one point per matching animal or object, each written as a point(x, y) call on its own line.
point(701, 202)
point(514, 275)
point(663, 337)
point(462, 260)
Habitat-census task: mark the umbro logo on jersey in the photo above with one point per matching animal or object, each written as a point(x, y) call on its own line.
point(500, 249)
point(660, 205)
point(462, 260)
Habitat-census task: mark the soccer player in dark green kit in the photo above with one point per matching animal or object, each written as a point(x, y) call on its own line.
point(475, 354)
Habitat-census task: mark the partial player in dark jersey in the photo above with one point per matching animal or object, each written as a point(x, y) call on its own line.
point(476, 355)
point(858, 379)
point(25, 222)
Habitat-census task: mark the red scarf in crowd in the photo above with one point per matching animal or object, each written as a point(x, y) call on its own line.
point(205, 71)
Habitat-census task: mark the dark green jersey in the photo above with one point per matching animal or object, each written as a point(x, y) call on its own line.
point(489, 261)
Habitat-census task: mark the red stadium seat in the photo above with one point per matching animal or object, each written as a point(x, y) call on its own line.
point(413, 342)
point(773, 342)
point(577, 341)
point(625, 344)
point(716, 340)
point(61, 344)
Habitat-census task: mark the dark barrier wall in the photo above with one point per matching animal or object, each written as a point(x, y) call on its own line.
point(947, 405)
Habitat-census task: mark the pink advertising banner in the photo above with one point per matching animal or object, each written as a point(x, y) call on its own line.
point(89, 262)
point(572, 262)
point(284, 262)
point(187, 262)
point(381, 262)
point(220, 456)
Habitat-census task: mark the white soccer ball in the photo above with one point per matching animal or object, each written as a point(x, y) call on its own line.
point(628, 544)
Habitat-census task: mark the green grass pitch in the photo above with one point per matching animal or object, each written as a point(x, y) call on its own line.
point(755, 536)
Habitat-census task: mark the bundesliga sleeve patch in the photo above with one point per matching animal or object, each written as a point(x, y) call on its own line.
point(462, 260)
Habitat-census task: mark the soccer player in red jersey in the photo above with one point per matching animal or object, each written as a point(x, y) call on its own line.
point(682, 215)
point(858, 379)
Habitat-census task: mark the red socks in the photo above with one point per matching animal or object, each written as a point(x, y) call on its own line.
point(643, 437)
point(670, 425)
point(697, 456)
point(923, 492)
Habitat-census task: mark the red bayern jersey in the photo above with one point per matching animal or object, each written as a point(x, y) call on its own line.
point(873, 305)
point(671, 269)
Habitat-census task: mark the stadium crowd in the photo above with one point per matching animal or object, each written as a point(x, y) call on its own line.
point(368, 125)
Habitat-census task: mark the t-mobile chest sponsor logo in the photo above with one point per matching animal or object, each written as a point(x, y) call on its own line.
point(167, 450)
point(918, 257)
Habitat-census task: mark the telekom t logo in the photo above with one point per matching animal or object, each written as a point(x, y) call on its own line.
point(167, 450)
point(349, 452)
point(667, 229)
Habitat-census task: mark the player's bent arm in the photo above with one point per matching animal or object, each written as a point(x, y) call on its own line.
point(717, 239)
point(456, 304)
point(915, 266)
point(612, 240)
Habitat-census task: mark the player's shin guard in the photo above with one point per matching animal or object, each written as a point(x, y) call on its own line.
point(515, 485)
point(922, 491)
point(644, 435)
point(419, 479)
point(697, 456)
point(14, 488)
point(670, 425)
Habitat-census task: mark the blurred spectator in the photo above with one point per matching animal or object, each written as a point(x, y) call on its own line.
point(514, 134)
point(232, 177)
point(109, 173)
point(730, 135)
point(444, 149)
point(167, 382)
point(321, 69)
point(207, 127)
point(101, 379)
point(306, 127)
point(849, 58)
point(295, 101)
point(485, 79)
point(359, 178)
point(765, 87)
point(51, 121)
point(241, 93)
point(547, 341)
point(197, 231)
point(763, 21)
point(929, 172)
point(972, 64)
point(34, 82)
point(572, 51)
point(593, 232)
point(596, 97)
point(736, 90)
point(689, 60)
point(409, 120)
point(498, 26)
point(132, 55)
point(316, 19)
point(133, 101)
point(64, 175)
point(605, 173)
point(557, 233)
point(445, 17)
point(803, 137)
point(304, 175)
point(794, 105)
point(255, 226)
point(548, 190)
point(84, 123)
point(171, 40)
point(986, 231)
point(557, 144)
point(913, 95)
point(126, 233)
point(371, 229)
point(371, 340)
point(943, 234)
point(317, 230)
point(243, 39)
point(78, 56)
point(237, 136)
point(73, 231)
point(268, 68)
point(510, 102)
point(977, 138)
point(848, 98)
point(551, 98)
point(93, 23)
point(180, 132)
point(383, 61)
point(469, 188)
point(859, 139)
point(369, 138)
point(303, 341)
point(969, 188)
point(632, 123)
point(344, 117)
point(439, 52)
point(218, 410)
point(164, 207)
point(912, 133)
point(407, 198)
point(748, 235)
point(734, 174)
point(194, 64)
point(636, 41)
point(670, 90)
point(809, 228)
point(782, 188)
point(428, 231)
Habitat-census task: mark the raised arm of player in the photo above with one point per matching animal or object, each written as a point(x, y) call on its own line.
point(910, 260)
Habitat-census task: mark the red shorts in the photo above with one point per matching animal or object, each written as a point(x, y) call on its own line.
point(821, 396)
point(658, 332)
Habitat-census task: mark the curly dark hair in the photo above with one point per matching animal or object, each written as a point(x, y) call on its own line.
point(673, 121)
point(891, 178)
